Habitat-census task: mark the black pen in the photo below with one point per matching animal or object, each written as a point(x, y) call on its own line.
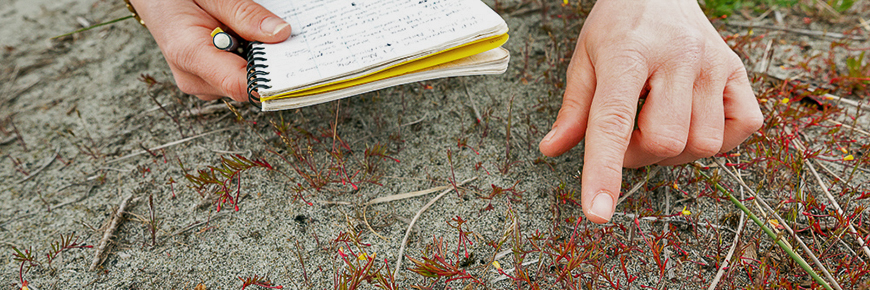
point(226, 42)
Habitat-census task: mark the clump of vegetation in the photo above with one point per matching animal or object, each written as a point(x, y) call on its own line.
point(224, 183)
point(258, 281)
point(28, 260)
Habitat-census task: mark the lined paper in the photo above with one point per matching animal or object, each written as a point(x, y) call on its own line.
point(335, 38)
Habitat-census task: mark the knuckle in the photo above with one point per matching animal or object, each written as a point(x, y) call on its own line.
point(704, 146)
point(570, 106)
point(181, 55)
point(245, 11)
point(631, 59)
point(614, 121)
point(689, 47)
point(664, 145)
point(232, 86)
point(732, 58)
point(738, 72)
point(186, 86)
point(752, 123)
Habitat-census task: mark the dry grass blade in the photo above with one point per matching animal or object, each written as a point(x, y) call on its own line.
point(46, 163)
point(173, 143)
point(394, 198)
point(637, 186)
point(833, 201)
point(724, 265)
point(417, 216)
point(816, 33)
point(406, 195)
point(774, 236)
point(783, 223)
point(839, 209)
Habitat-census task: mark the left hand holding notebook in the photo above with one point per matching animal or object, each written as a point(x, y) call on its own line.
point(182, 29)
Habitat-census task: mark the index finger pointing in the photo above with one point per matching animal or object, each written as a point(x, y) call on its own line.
point(620, 79)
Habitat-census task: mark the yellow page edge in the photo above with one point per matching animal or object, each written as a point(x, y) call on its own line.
point(441, 57)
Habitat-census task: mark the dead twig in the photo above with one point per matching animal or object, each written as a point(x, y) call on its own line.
point(47, 162)
point(827, 34)
point(366, 221)
point(207, 110)
point(405, 195)
point(865, 133)
point(140, 152)
point(417, 216)
point(839, 210)
point(196, 224)
point(783, 223)
point(394, 198)
point(833, 201)
point(724, 265)
point(637, 186)
point(116, 220)
point(471, 103)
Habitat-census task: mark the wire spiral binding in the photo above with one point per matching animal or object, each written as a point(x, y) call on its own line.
point(256, 77)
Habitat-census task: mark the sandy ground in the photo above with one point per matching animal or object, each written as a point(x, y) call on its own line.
point(79, 105)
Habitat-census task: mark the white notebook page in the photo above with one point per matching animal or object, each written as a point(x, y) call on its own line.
point(333, 38)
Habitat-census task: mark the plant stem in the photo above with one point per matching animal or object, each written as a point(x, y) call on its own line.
point(95, 26)
point(781, 243)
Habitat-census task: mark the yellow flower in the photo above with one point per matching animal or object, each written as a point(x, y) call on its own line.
point(843, 149)
point(849, 158)
point(496, 264)
point(685, 211)
point(775, 224)
point(784, 101)
point(677, 187)
point(564, 2)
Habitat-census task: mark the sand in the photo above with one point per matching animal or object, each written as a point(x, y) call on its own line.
point(79, 104)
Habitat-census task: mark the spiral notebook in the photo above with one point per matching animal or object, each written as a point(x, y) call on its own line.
point(341, 48)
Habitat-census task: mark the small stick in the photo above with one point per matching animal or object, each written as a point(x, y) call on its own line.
point(417, 216)
point(839, 210)
point(833, 201)
point(116, 220)
point(667, 228)
point(395, 197)
point(8, 140)
point(783, 224)
point(639, 184)
point(733, 244)
point(48, 162)
point(828, 170)
point(670, 220)
point(865, 133)
point(196, 224)
point(417, 121)
point(834, 35)
point(366, 221)
point(173, 143)
point(471, 101)
point(207, 110)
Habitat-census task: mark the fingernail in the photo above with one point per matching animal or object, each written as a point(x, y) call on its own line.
point(272, 25)
point(549, 135)
point(602, 206)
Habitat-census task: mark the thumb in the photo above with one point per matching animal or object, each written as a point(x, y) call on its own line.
point(248, 19)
